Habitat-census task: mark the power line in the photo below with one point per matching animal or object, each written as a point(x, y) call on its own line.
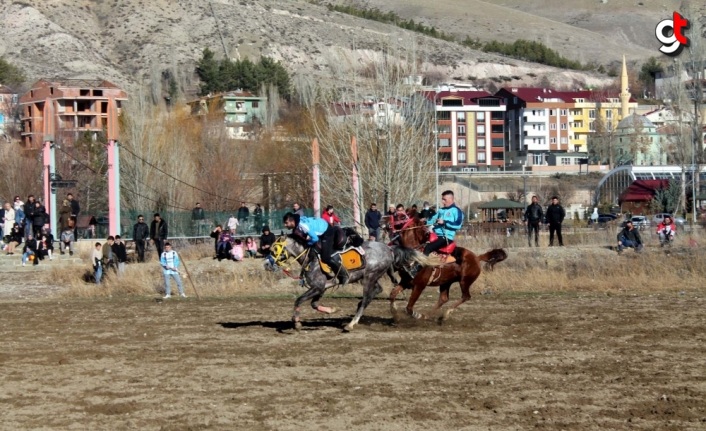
point(176, 179)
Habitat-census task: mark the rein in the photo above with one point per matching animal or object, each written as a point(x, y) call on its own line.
point(282, 257)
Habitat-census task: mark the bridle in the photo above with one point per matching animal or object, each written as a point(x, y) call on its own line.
point(283, 258)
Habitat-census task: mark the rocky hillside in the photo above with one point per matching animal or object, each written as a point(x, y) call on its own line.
point(131, 42)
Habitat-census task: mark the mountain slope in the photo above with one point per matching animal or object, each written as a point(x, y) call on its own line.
point(131, 42)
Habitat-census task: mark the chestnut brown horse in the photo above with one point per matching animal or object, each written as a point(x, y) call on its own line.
point(464, 270)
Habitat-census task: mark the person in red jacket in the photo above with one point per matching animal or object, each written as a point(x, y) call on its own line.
point(330, 217)
point(666, 230)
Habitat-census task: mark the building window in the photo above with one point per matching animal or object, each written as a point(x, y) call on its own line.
point(552, 126)
point(577, 124)
point(497, 115)
point(461, 130)
point(592, 113)
point(445, 129)
point(444, 142)
point(255, 104)
point(577, 136)
point(514, 100)
point(565, 161)
point(564, 140)
point(552, 140)
point(563, 126)
point(481, 157)
point(609, 114)
point(577, 112)
point(480, 142)
point(461, 143)
point(480, 116)
point(537, 159)
point(496, 128)
point(497, 143)
point(498, 156)
point(563, 112)
point(551, 112)
point(444, 157)
point(577, 148)
point(443, 115)
point(591, 126)
point(609, 125)
point(480, 129)
point(462, 157)
point(461, 117)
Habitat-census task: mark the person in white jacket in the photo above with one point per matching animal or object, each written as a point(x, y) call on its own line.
point(170, 269)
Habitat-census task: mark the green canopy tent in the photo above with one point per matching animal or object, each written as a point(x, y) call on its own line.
point(513, 210)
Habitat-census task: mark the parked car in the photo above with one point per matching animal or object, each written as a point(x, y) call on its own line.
point(640, 221)
point(610, 216)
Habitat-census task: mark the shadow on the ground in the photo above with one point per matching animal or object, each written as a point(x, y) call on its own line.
point(286, 326)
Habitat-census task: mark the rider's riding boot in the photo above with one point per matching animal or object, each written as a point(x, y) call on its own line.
point(340, 271)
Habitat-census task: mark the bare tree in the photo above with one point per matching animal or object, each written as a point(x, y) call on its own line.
point(392, 127)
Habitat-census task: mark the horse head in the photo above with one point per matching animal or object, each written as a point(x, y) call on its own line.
point(414, 233)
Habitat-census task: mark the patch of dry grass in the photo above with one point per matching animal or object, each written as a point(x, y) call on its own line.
point(586, 264)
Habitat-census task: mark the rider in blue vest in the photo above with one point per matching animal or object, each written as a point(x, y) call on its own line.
point(446, 222)
point(318, 233)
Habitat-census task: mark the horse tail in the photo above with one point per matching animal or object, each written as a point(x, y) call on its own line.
point(405, 256)
point(492, 257)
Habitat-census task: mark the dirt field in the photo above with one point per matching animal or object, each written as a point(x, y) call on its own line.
point(505, 361)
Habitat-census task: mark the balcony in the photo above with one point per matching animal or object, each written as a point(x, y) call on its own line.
point(534, 133)
point(529, 118)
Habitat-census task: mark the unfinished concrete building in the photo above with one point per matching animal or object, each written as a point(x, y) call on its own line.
point(64, 109)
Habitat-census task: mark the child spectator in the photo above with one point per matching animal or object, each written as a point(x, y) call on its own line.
point(250, 247)
point(97, 260)
point(30, 250)
point(237, 250)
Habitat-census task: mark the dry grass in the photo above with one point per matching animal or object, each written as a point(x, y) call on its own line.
point(587, 264)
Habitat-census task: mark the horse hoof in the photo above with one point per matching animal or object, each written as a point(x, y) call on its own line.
point(446, 315)
point(348, 328)
point(298, 326)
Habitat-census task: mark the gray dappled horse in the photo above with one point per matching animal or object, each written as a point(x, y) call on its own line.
point(379, 261)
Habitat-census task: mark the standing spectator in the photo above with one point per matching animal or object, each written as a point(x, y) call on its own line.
point(66, 240)
point(108, 257)
point(266, 240)
point(250, 247)
point(8, 220)
point(2, 218)
point(170, 268)
point(296, 209)
point(390, 211)
point(426, 213)
point(237, 250)
point(372, 222)
point(30, 207)
point(120, 254)
point(629, 237)
point(594, 216)
point(75, 210)
point(15, 239)
point(97, 260)
point(243, 214)
point(158, 233)
point(197, 218)
point(399, 218)
point(330, 217)
point(533, 217)
point(555, 217)
point(140, 234)
point(39, 220)
point(257, 215)
point(216, 235)
point(233, 224)
point(30, 249)
point(65, 216)
point(19, 208)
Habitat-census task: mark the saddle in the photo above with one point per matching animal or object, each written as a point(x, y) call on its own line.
point(352, 258)
point(444, 254)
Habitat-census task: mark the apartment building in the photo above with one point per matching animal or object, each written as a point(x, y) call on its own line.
point(66, 108)
point(538, 122)
point(470, 128)
point(240, 109)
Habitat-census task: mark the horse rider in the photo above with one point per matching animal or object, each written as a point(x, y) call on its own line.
point(445, 223)
point(317, 231)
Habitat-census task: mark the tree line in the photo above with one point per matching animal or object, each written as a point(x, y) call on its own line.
point(228, 75)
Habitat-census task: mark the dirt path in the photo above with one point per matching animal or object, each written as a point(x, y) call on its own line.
point(503, 362)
